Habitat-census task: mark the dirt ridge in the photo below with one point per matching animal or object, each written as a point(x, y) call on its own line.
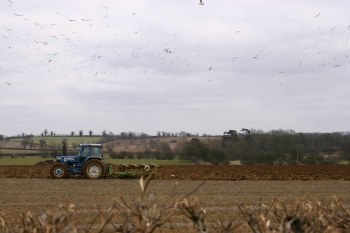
point(212, 172)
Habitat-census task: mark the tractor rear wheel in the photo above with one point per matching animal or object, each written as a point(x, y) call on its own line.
point(58, 171)
point(93, 169)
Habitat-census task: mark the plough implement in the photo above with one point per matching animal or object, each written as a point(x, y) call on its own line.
point(132, 170)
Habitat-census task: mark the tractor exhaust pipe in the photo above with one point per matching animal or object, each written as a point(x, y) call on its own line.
point(64, 149)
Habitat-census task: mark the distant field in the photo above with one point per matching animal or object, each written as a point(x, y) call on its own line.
point(75, 139)
point(32, 160)
point(14, 151)
point(149, 161)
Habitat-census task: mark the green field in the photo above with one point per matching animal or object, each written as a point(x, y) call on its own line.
point(32, 160)
point(15, 151)
point(75, 139)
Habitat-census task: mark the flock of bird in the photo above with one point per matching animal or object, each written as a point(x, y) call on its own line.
point(67, 47)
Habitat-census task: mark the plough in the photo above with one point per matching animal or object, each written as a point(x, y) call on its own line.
point(131, 171)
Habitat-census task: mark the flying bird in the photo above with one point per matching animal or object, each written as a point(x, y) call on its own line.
point(317, 14)
point(8, 84)
point(200, 2)
point(333, 28)
point(210, 68)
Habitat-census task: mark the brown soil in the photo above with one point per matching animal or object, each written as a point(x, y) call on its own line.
point(219, 172)
point(45, 163)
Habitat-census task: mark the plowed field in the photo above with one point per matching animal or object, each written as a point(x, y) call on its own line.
point(28, 188)
point(220, 172)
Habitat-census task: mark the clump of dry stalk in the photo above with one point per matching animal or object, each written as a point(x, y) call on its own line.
point(45, 223)
point(144, 215)
point(304, 216)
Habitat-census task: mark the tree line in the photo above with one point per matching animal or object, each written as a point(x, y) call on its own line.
point(106, 136)
point(272, 147)
point(249, 146)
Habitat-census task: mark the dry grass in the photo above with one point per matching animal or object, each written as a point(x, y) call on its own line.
point(167, 206)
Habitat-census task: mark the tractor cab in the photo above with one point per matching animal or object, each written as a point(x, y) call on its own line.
point(89, 151)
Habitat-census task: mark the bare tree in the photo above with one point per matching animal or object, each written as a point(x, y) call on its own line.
point(45, 132)
point(81, 133)
point(25, 142)
point(65, 140)
point(72, 133)
point(153, 143)
point(109, 147)
point(90, 133)
point(42, 144)
point(75, 145)
point(123, 135)
point(104, 132)
point(32, 144)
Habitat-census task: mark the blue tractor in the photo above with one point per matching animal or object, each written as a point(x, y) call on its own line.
point(89, 163)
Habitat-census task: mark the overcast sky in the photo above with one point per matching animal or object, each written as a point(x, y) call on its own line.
point(149, 65)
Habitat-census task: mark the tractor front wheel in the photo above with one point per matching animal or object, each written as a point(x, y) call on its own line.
point(93, 169)
point(58, 171)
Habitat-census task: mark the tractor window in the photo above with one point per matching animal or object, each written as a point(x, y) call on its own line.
point(95, 151)
point(85, 151)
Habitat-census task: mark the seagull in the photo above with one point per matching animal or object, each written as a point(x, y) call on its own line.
point(333, 28)
point(237, 32)
point(8, 84)
point(210, 68)
point(167, 50)
point(317, 14)
point(104, 7)
point(200, 2)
